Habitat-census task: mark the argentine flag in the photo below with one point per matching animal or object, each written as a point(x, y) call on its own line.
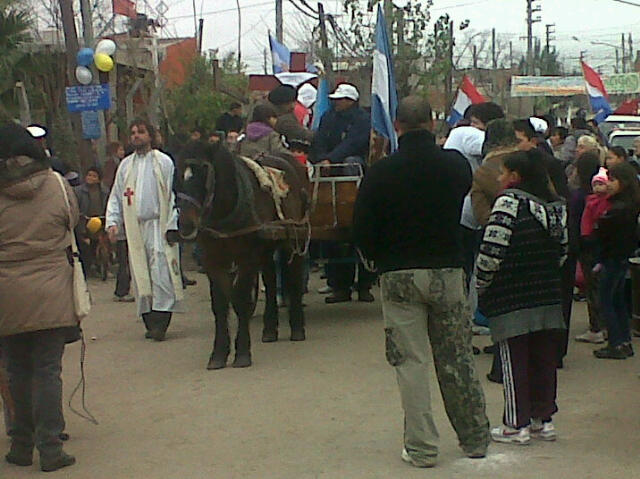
point(384, 97)
point(280, 56)
point(598, 96)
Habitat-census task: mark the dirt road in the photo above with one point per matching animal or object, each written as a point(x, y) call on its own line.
point(325, 408)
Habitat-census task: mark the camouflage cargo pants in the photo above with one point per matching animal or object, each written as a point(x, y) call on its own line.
point(423, 306)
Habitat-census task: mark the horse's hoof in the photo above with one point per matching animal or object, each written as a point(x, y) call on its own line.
point(269, 336)
point(297, 335)
point(217, 363)
point(243, 361)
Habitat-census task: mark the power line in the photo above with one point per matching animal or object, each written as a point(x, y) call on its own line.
point(301, 10)
point(215, 12)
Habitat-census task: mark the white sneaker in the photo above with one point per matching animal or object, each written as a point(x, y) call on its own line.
point(325, 290)
point(417, 462)
point(543, 430)
point(591, 337)
point(480, 330)
point(510, 435)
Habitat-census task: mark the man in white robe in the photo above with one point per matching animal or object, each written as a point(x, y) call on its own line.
point(142, 202)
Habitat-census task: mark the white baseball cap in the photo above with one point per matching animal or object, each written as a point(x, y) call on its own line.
point(345, 90)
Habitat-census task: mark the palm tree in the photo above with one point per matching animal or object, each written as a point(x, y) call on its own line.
point(15, 26)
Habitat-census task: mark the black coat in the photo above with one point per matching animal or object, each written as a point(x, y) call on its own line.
point(407, 214)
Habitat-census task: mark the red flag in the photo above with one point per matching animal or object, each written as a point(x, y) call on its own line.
point(124, 7)
point(629, 107)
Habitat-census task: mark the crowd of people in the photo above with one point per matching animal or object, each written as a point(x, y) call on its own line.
point(496, 221)
point(490, 223)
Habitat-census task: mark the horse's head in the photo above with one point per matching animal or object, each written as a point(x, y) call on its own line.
point(197, 190)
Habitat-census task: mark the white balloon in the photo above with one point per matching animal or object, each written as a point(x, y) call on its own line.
point(106, 46)
point(84, 75)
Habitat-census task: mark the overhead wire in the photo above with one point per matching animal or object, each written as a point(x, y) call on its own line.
point(303, 11)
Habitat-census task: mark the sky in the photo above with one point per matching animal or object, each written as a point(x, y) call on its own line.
point(577, 24)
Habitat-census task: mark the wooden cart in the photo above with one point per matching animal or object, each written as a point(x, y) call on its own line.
point(332, 201)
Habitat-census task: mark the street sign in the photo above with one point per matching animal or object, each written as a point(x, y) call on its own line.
point(88, 97)
point(90, 125)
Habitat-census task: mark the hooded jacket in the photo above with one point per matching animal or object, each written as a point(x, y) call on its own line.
point(518, 268)
point(262, 139)
point(36, 275)
point(486, 187)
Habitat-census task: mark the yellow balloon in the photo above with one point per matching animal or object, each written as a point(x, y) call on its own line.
point(94, 224)
point(103, 62)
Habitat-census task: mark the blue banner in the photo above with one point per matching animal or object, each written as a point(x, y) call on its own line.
point(90, 125)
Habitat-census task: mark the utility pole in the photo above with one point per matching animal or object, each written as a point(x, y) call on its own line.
point(494, 59)
point(264, 61)
point(71, 45)
point(200, 29)
point(549, 27)
point(195, 21)
point(400, 31)
point(530, 21)
point(87, 23)
point(475, 57)
point(239, 67)
point(510, 55)
point(631, 65)
point(624, 55)
point(279, 20)
point(388, 16)
point(325, 55)
point(449, 81)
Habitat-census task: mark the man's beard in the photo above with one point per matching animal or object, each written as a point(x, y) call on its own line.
point(142, 148)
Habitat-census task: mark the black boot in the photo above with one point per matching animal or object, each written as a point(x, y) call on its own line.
point(365, 296)
point(20, 455)
point(50, 464)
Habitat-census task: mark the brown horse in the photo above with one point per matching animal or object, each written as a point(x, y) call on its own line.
point(236, 223)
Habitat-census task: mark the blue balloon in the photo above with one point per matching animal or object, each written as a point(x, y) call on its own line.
point(85, 57)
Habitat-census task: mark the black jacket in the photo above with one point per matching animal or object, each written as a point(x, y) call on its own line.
point(407, 214)
point(342, 134)
point(616, 231)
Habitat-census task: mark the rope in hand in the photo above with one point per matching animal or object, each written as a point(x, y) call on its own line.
point(82, 384)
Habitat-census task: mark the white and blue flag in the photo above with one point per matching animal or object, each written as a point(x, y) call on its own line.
point(384, 97)
point(280, 56)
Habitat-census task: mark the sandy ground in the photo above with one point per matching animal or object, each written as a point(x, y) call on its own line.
point(325, 408)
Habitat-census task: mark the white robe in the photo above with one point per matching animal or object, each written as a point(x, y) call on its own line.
point(153, 233)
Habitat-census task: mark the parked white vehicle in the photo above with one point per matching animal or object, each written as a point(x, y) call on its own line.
point(613, 122)
point(624, 138)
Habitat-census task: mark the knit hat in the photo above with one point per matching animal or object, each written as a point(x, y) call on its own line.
point(282, 94)
point(601, 177)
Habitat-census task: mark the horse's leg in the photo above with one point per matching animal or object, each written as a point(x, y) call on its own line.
point(295, 287)
point(244, 304)
point(220, 286)
point(270, 316)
